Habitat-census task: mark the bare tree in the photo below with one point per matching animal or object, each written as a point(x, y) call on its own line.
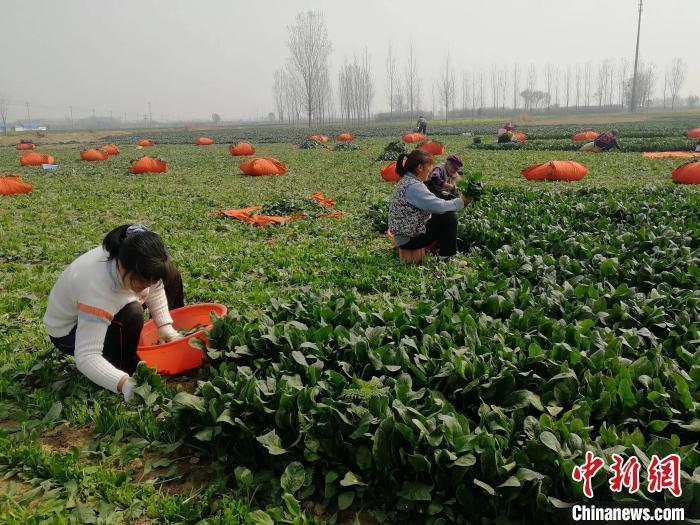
point(412, 81)
point(503, 87)
point(310, 48)
point(278, 89)
point(587, 83)
point(621, 82)
point(494, 87)
point(4, 107)
point(678, 72)
point(530, 86)
point(567, 85)
point(516, 85)
point(602, 82)
point(446, 87)
point(611, 83)
point(391, 77)
point(548, 80)
point(355, 88)
point(481, 88)
point(465, 91)
point(577, 83)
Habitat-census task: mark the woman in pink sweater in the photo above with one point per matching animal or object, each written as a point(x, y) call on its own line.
point(95, 310)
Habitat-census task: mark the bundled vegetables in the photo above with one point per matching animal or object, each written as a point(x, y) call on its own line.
point(306, 206)
point(471, 186)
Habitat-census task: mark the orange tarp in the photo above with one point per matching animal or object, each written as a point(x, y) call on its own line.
point(248, 215)
point(671, 155)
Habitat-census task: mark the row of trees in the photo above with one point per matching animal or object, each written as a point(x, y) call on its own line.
point(303, 89)
point(608, 85)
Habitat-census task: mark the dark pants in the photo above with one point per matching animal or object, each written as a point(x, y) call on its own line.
point(439, 192)
point(441, 228)
point(422, 128)
point(123, 333)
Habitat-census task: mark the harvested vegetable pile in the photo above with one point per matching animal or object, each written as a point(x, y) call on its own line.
point(393, 150)
point(311, 144)
point(346, 146)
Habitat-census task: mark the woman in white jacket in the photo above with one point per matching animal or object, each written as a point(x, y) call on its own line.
point(95, 310)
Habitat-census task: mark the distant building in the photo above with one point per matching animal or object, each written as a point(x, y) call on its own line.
point(30, 125)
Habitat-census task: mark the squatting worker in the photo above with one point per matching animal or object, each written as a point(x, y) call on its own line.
point(95, 310)
point(604, 142)
point(416, 216)
point(443, 179)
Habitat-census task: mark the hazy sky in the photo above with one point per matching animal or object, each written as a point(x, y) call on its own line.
point(193, 58)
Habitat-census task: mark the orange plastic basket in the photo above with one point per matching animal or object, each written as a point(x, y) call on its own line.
point(178, 356)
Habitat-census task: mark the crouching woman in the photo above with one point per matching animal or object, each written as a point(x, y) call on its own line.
point(416, 216)
point(96, 308)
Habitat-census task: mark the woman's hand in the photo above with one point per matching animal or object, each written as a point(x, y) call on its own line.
point(466, 200)
point(167, 333)
point(449, 187)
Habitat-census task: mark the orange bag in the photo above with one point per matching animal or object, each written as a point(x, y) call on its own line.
point(413, 137)
point(262, 166)
point(93, 154)
point(389, 174)
point(585, 136)
point(345, 137)
point(25, 146)
point(35, 159)
point(434, 148)
point(563, 170)
point(242, 149)
point(148, 165)
point(687, 174)
point(694, 133)
point(204, 141)
point(520, 136)
point(323, 200)
point(671, 155)
point(144, 143)
point(110, 149)
point(320, 138)
point(11, 184)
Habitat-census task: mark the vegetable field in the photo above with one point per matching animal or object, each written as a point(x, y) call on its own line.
point(343, 386)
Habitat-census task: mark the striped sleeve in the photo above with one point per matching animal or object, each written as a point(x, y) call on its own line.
point(157, 304)
point(89, 345)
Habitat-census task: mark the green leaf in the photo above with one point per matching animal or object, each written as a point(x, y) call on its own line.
point(205, 434)
point(550, 441)
point(185, 400)
point(414, 491)
point(54, 413)
point(272, 442)
point(488, 488)
point(293, 477)
point(350, 480)
point(345, 499)
point(260, 517)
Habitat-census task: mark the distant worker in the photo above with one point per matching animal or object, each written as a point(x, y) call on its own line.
point(443, 179)
point(605, 142)
point(507, 134)
point(422, 125)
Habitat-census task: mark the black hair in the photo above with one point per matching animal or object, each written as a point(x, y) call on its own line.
point(410, 161)
point(141, 253)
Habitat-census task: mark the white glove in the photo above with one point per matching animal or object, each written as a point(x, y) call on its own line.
point(128, 390)
point(167, 333)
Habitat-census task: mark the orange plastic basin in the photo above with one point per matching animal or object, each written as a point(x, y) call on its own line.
point(178, 356)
